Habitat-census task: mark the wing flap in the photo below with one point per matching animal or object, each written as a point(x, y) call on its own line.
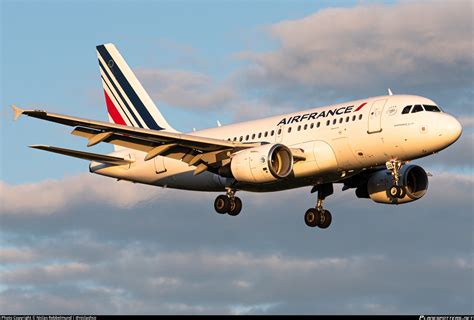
point(84, 155)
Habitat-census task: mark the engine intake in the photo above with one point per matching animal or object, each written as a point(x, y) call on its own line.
point(412, 177)
point(262, 164)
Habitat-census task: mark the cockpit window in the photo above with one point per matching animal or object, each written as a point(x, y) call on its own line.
point(406, 109)
point(417, 108)
point(431, 108)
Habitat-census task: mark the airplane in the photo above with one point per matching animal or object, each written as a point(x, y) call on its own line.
point(366, 145)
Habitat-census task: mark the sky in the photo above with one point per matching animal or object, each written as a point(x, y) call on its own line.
point(72, 242)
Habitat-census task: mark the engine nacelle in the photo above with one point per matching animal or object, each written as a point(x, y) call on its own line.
point(262, 164)
point(412, 177)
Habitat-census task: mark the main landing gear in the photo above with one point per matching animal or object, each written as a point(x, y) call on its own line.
point(396, 191)
point(319, 217)
point(228, 203)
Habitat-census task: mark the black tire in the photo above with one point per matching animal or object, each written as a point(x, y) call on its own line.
point(326, 219)
point(235, 207)
point(394, 191)
point(312, 217)
point(402, 193)
point(222, 204)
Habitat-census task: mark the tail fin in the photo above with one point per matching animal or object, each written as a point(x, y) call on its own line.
point(127, 101)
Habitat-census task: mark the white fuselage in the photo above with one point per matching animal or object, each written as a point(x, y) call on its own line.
point(338, 141)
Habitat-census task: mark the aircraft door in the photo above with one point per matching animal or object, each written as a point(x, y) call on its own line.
point(375, 116)
point(159, 164)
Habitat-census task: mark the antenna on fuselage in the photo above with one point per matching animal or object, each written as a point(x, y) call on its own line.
point(390, 92)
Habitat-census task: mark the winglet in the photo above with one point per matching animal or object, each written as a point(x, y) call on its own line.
point(390, 92)
point(17, 112)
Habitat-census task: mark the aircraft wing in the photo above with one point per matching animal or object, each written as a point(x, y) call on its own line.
point(202, 152)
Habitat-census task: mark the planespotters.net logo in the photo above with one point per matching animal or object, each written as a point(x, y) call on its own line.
point(446, 318)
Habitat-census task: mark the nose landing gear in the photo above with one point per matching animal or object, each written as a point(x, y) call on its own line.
point(396, 191)
point(319, 217)
point(228, 203)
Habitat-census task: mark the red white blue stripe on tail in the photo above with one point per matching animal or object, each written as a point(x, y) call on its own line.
point(127, 101)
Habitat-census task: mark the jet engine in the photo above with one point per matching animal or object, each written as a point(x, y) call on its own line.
point(262, 164)
point(413, 179)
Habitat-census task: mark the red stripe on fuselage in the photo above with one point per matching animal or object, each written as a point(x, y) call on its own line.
point(116, 117)
point(360, 107)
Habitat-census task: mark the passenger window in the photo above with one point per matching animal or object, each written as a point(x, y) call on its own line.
point(246, 137)
point(272, 133)
point(259, 135)
point(265, 134)
point(299, 128)
point(360, 117)
point(328, 122)
point(241, 138)
point(417, 108)
point(431, 108)
point(340, 120)
point(353, 118)
point(317, 125)
point(406, 110)
point(347, 119)
point(311, 126)
point(289, 129)
point(305, 127)
point(279, 131)
point(334, 121)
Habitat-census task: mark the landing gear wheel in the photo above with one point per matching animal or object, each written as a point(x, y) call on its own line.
point(397, 192)
point(326, 219)
point(393, 191)
point(312, 217)
point(222, 204)
point(235, 206)
point(403, 193)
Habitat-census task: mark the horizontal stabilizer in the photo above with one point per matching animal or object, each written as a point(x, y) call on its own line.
point(84, 155)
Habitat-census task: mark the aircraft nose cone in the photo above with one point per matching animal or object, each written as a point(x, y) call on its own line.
point(451, 128)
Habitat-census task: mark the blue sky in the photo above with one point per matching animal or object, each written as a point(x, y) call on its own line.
point(71, 241)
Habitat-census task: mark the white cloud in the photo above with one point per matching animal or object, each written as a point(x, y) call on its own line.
point(186, 89)
point(15, 255)
point(50, 196)
point(404, 46)
point(44, 274)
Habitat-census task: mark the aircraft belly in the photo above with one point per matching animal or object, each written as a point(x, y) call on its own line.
point(165, 172)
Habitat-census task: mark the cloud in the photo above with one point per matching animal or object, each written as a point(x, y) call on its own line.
point(467, 121)
point(186, 89)
point(15, 255)
point(458, 155)
point(338, 53)
point(168, 252)
point(49, 196)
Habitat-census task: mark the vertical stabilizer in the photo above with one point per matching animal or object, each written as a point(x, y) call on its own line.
point(127, 101)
